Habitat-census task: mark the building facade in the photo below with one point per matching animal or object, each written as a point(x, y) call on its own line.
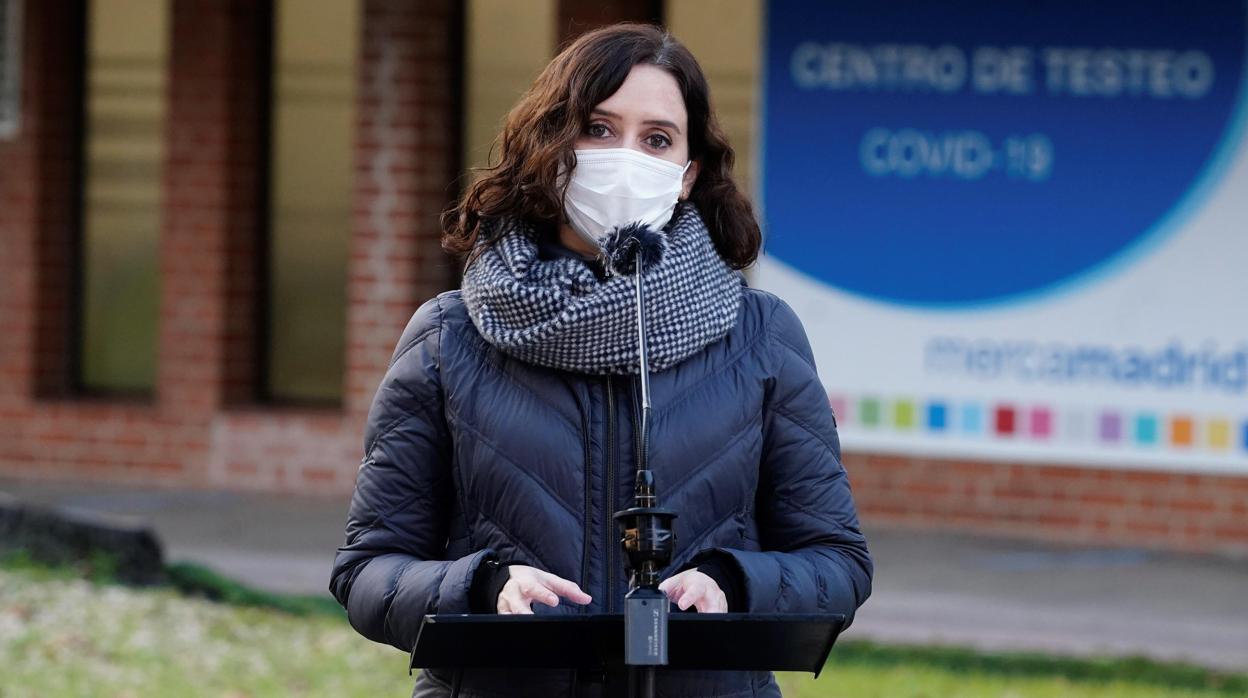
point(217, 216)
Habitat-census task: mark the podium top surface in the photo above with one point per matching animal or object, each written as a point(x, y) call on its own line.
point(775, 642)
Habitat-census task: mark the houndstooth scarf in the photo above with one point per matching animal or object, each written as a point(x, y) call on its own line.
point(557, 313)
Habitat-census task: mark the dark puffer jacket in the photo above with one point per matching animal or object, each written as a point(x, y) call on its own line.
point(470, 453)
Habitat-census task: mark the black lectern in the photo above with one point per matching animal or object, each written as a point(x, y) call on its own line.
point(595, 643)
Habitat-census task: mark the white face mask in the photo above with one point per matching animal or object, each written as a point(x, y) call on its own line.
point(613, 187)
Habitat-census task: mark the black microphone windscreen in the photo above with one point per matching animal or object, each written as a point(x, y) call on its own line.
point(625, 244)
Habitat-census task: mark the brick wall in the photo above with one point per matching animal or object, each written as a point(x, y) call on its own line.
point(204, 427)
point(41, 171)
point(406, 162)
point(576, 17)
point(1055, 502)
point(213, 218)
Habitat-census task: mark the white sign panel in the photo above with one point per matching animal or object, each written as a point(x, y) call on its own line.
point(1016, 232)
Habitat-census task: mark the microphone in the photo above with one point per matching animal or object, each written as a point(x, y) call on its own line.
point(628, 244)
point(649, 540)
point(630, 249)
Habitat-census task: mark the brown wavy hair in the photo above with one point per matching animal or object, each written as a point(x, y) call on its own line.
point(540, 132)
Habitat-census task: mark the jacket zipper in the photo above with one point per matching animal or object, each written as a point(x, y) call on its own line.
point(589, 473)
point(635, 416)
point(639, 446)
point(609, 508)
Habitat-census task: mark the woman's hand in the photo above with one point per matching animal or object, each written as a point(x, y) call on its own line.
point(528, 584)
point(693, 588)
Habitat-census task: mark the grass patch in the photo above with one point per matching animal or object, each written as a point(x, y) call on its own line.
point(187, 578)
point(99, 567)
point(196, 580)
point(71, 637)
point(69, 631)
point(1028, 666)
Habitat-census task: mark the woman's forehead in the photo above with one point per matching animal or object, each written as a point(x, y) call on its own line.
point(649, 93)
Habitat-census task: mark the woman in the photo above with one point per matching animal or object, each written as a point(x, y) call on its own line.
point(503, 435)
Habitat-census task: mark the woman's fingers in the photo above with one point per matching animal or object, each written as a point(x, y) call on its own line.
point(692, 588)
point(535, 590)
point(674, 587)
point(705, 599)
point(683, 593)
point(566, 588)
point(504, 605)
point(713, 602)
point(689, 589)
point(685, 589)
point(513, 601)
point(692, 594)
point(528, 584)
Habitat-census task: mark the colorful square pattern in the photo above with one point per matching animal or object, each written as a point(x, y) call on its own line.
point(1146, 432)
point(1109, 427)
point(1041, 423)
point(972, 418)
point(903, 414)
point(1003, 420)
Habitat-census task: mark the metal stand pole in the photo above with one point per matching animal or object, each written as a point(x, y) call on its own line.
point(643, 456)
point(641, 681)
point(648, 543)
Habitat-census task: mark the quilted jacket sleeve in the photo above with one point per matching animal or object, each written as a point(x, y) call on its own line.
point(814, 557)
point(390, 573)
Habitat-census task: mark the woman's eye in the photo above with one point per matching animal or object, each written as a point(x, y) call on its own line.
point(596, 130)
point(658, 141)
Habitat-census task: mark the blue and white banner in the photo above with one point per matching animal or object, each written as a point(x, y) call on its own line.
point(1016, 230)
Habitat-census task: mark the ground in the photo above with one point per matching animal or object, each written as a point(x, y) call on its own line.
point(64, 635)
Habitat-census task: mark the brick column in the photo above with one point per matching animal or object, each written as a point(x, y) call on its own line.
point(39, 207)
point(214, 195)
point(579, 16)
point(406, 162)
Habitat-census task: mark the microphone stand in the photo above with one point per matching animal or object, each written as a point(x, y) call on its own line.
point(648, 543)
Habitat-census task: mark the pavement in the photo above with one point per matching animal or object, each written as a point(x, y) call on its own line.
point(930, 587)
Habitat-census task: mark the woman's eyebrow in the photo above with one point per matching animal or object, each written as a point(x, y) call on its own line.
point(661, 122)
point(652, 122)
